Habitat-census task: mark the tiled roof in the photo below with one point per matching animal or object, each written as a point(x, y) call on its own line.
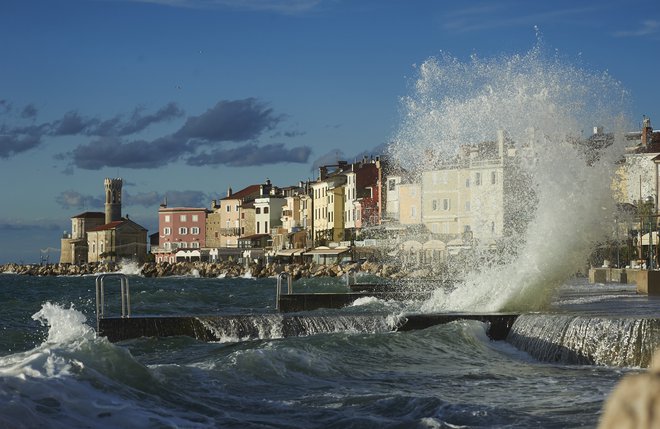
point(107, 226)
point(88, 215)
point(252, 189)
point(116, 224)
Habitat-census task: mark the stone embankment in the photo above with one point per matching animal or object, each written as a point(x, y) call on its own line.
point(208, 269)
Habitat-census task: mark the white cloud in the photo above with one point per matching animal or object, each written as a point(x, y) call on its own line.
point(647, 28)
point(279, 6)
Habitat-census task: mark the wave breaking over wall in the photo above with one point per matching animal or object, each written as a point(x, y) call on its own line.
point(561, 203)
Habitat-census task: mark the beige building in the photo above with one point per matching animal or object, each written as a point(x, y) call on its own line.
point(122, 239)
point(409, 199)
point(118, 238)
point(74, 245)
point(468, 196)
point(226, 223)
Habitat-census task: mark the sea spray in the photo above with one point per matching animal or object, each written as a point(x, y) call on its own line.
point(561, 202)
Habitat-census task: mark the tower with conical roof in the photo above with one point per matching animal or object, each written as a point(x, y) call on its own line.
point(112, 200)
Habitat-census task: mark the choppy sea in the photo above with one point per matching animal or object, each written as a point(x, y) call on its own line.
point(56, 372)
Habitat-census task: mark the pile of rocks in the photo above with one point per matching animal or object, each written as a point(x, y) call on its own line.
point(210, 269)
point(59, 269)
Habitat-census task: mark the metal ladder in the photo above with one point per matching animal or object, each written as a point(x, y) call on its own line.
point(289, 281)
point(100, 296)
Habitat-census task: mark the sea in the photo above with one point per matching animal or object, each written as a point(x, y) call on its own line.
point(56, 372)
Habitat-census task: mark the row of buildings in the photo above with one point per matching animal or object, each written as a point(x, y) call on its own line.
point(453, 204)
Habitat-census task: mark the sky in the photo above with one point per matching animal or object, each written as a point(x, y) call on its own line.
point(186, 98)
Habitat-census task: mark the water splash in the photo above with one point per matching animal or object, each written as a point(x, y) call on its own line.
point(65, 325)
point(559, 199)
point(130, 267)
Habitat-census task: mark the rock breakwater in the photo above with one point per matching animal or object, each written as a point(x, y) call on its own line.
point(206, 269)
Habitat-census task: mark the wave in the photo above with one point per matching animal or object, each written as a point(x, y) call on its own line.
point(76, 379)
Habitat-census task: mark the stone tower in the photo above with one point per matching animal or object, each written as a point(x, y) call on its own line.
point(112, 200)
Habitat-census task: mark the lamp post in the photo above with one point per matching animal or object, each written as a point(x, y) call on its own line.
point(649, 202)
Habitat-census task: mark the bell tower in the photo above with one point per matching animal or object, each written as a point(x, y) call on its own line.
point(112, 199)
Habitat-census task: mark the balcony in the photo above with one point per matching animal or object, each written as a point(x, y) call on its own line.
point(230, 232)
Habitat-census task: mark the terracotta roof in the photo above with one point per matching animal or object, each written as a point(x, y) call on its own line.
point(116, 224)
point(90, 215)
point(182, 209)
point(252, 189)
point(111, 225)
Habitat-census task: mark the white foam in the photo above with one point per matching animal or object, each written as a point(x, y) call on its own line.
point(543, 104)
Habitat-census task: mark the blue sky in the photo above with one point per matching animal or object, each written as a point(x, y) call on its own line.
point(185, 98)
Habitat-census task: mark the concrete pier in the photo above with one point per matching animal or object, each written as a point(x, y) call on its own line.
point(202, 327)
point(647, 281)
point(294, 302)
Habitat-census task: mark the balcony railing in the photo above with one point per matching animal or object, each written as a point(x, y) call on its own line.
point(230, 232)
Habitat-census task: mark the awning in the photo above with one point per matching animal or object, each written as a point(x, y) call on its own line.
point(189, 253)
point(290, 252)
point(411, 245)
point(654, 239)
point(320, 251)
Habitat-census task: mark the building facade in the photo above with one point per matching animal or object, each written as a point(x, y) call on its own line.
point(180, 229)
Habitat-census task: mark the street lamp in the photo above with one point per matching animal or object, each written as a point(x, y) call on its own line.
point(650, 203)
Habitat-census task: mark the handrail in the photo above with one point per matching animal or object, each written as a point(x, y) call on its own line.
point(280, 276)
point(100, 296)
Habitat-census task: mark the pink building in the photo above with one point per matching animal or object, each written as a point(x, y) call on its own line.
point(181, 234)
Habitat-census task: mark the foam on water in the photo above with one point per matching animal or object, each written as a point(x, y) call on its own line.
point(562, 204)
point(130, 267)
point(76, 379)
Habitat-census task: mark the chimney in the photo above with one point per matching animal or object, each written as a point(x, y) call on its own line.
point(500, 143)
point(647, 130)
point(323, 172)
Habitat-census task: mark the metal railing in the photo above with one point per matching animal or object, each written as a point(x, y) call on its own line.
point(100, 296)
point(289, 282)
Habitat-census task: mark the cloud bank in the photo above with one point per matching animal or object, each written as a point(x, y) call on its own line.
point(198, 142)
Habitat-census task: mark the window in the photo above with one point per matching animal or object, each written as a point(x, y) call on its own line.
point(266, 227)
point(266, 210)
point(195, 244)
point(434, 205)
point(236, 207)
point(228, 208)
point(258, 230)
point(183, 230)
point(446, 204)
point(183, 218)
point(168, 246)
point(413, 212)
point(194, 230)
point(493, 177)
point(167, 230)
point(195, 218)
point(257, 210)
point(477, 179)
point(392, 184)
point(183, 245)
point(167, 218)
point(242, 215)
point(467, 182)
point(467, 206)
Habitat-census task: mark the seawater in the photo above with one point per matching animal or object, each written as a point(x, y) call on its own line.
point(56, 372)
